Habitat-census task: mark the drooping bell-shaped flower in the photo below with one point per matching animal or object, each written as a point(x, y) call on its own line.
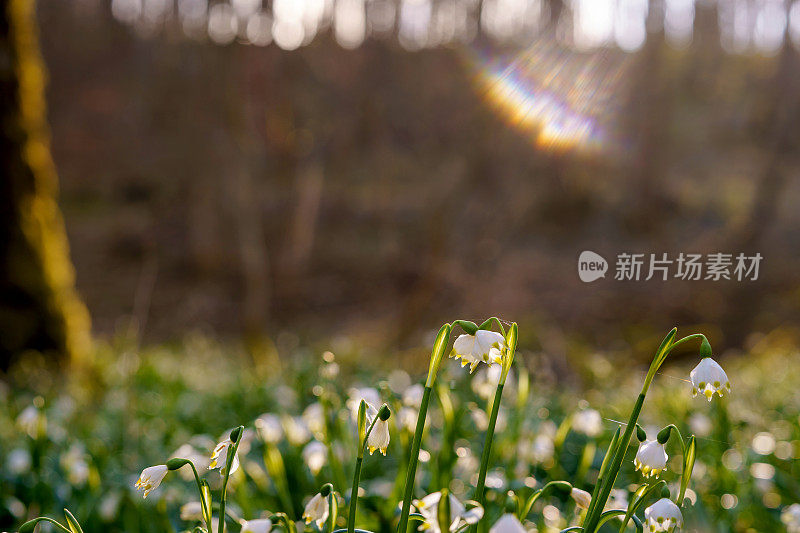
point(150, 478)
point(651, 458)
point(379, 437)
point(708, 377)
point(220, 457)
point(316, 510)
point(485, 346)
point(663, 515)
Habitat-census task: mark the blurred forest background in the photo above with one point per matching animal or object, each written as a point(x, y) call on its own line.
point(373, 167)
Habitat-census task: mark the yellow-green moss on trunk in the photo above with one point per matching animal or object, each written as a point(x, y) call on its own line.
point(39, 308)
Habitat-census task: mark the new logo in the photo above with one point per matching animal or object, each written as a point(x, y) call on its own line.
point(591, 266)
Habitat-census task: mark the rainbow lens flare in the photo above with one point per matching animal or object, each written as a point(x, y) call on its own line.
point(561, 98)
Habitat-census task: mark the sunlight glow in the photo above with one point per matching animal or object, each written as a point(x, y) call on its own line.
point(594, 22)
point(561, 99)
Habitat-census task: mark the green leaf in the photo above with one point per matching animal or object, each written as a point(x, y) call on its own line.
point(206, 503)
point(73, 524)
point(334, 511)
point(688, 466)
point(443, 511)
point(639, 497)
point(30, 525)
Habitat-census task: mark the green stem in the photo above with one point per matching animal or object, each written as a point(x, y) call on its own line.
point(351, 518)
point(231, 454)
point(602, 474)
point(487, 445)
point(206, 509)
point(686, 338)
point(497, 322)
point(413, 459)
point(526, 509)
point(593, 518)
point(596, 508)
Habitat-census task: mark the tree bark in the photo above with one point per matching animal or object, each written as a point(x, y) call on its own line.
point(39, 308)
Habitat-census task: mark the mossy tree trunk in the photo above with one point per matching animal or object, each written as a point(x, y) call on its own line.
point(39, 308)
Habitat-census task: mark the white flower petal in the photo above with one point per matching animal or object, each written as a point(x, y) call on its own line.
point(508, 523)
point(150, 478)
point(261, 525)
point(379, 437)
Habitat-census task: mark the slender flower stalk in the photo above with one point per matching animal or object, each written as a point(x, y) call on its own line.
point(205, 500)
point(506, 362)
point(439, 347)
point(363, 441)
point(617, 452)
point(236, 437)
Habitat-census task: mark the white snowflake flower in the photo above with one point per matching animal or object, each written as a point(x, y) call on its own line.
point(220, 457)
point(316, 510)
point(663, 515)
point(485, 346)
point(150, 478)
point(651, 458)
point(708, 377)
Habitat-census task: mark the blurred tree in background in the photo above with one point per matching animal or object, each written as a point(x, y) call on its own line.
point(39, 309)
point(241, 166)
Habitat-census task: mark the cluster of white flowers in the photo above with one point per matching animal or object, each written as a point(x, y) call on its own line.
point(372, 418)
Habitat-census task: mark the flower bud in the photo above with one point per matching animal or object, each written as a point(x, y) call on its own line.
point(640, 434)
point(469, 327)
point(325, 490)
point(384, 413)
point(705, 348)
point(443, 512)
point(663, 435)
point(176, 463)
